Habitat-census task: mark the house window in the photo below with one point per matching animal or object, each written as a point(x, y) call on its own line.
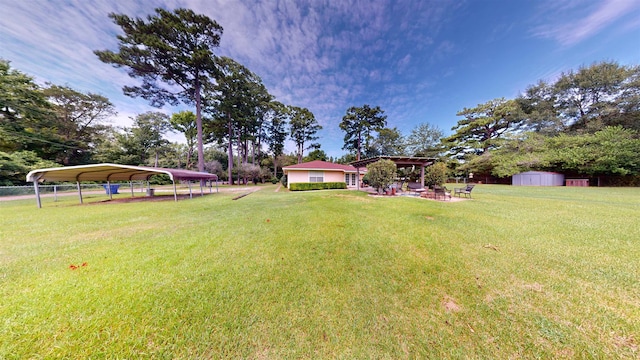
point(353, 179)
point(346, 179)
point(316, 176)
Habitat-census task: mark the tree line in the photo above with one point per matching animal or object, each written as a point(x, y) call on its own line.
point(173, 54)
point(585, 123)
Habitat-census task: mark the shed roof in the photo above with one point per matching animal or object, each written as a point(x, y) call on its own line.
point(538, 173)
point(113, 172)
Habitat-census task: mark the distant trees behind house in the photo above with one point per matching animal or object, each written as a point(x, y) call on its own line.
point(586, 123)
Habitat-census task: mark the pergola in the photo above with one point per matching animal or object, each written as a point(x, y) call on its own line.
point(400, 161)
point(113, 172)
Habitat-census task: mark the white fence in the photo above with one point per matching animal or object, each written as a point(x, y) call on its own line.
point(66, 189)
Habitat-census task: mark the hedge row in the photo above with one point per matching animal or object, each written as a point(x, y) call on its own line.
point(317, 186)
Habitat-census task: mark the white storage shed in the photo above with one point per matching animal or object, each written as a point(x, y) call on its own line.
point(538, 178)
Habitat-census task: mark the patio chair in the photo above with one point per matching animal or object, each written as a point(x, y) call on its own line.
point(466, 191)
point(441, 191)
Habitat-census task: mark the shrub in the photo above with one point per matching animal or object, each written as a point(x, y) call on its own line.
point(283, 180)
point(274, 180)
point(249, 172)
point(436, 174)
point(381, 174)
point(160, 179)
point(317, 186)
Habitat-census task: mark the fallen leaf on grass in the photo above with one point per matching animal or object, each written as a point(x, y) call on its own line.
point(73, 267)
point(492, 247)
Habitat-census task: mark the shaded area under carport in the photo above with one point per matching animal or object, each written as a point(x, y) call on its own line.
point(114, 172)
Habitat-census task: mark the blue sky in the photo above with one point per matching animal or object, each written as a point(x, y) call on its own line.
point(420, 61)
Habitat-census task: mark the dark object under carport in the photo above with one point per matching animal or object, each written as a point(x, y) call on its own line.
point(111, 188)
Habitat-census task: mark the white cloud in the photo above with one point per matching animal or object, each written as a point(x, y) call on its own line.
point(323, 55)
point(404, 61)
point(572, 22)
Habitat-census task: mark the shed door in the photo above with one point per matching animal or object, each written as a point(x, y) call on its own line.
point(535, 180)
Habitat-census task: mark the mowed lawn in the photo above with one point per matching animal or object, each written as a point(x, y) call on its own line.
point(517, 272)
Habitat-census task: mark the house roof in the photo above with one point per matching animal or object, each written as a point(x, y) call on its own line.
point(320, 165)
point(113, 172)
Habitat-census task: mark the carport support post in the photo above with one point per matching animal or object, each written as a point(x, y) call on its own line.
point(175, 191)
point(358, 179)
point(79, 191)
point(131, 185)
point(109, 190)
point(201, 188)
point(190, 193)
point(37, 188)
point(422, 175)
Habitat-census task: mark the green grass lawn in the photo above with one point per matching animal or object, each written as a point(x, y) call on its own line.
point(517, 272)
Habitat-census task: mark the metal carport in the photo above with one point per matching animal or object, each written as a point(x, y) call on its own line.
point(112, 172)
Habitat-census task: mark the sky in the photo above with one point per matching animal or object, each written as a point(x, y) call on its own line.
point(421, 61)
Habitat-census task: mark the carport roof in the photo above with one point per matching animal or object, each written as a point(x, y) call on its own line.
point(113, 172)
